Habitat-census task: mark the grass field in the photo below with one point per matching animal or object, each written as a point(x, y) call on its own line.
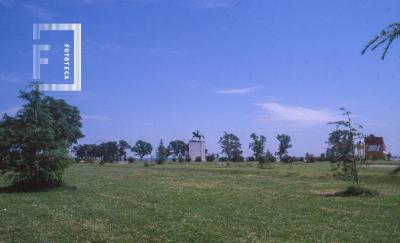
point(203, 202)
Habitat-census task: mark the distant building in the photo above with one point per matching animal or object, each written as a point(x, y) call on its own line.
point(374, 147)
point(197, 148)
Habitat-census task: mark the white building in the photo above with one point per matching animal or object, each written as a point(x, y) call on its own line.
point(197, 148)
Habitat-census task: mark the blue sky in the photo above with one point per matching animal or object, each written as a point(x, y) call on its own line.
point(156, 69)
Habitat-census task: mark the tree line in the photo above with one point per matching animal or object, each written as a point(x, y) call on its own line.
point(178, 150)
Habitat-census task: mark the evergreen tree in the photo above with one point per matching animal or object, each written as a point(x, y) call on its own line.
point(162, 153)
point(34, 144)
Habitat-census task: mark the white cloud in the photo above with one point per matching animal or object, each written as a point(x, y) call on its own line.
point(96, 117)
point(240, 91)
point(296, 114)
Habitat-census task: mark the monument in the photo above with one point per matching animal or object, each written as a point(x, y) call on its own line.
point(197, 147)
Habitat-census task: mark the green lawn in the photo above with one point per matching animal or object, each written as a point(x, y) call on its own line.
point(203, 202)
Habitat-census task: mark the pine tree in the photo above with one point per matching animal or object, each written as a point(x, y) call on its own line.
point(162, 153)
point(34, 144)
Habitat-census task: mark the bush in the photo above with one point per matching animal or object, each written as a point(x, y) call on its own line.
point(238, 158)
point(223, 159)
point(356, 191)
point(309, 158)
point(269, 157)
point(181, 159)
point(286, 159)
point(131, 160)
point(188, 159)
point(251, 159)
point(321, 157)
point(210, 157)
point(261, 162)
point(198, 159)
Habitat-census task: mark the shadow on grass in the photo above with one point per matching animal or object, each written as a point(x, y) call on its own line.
point(20, 189)
point(351, 191)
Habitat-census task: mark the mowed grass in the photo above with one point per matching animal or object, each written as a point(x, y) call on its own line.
point(203, 202)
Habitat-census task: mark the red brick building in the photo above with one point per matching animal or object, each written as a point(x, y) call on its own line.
point(374, 147)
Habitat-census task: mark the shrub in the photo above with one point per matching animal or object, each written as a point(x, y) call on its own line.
point(251, 159)
point(210, 157)
point(223, 159)
point(261, 162)
point(287, 159)
point(321, 157)
point(270, 157)
point(181, 159)
point(238, 158)
point(309, 158)
point(356, 191)
point(188, 159)
point(198, 159)
point(131, 160)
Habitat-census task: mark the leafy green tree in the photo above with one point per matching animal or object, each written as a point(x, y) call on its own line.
point(178, 149)
point(161, 153)
point(34, 144)
point(342, 140)
point(338, 145)
point(257, 145)
point(142, 148)
point(122, 147)
point(88, 152)
point(84, 152)
point(386, 38)
point(230, 145)
point(284, 145)
point(108, 151)
point(211, 157)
